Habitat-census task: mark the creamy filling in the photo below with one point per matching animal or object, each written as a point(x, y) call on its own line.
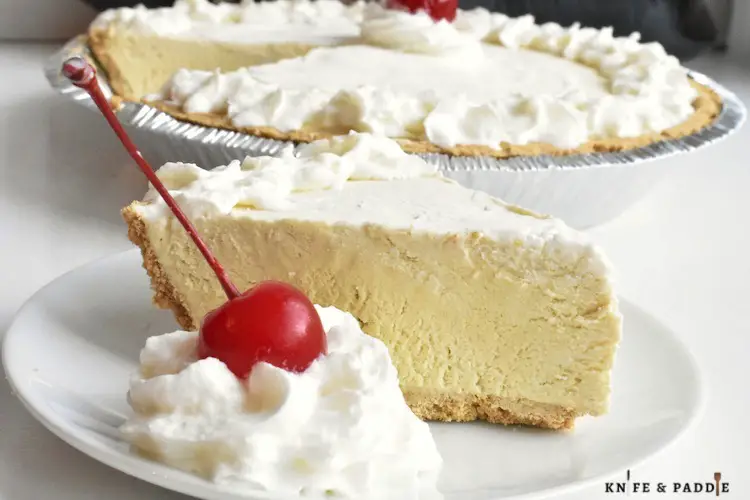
point(465, 318)
point(342, 427)
point(485, 79)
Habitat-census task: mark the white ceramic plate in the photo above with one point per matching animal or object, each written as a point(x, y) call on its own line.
point(72, 347)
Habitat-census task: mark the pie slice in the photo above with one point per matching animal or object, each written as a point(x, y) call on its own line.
point(489, 311)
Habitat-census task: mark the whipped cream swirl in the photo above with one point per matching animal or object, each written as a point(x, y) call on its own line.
point(267, 182)
point(417, 33)
point(341, 428)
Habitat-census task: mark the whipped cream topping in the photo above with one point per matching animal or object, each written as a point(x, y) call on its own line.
point(268, 182)
point(303, 21)
point(383, 187)
point(418, 33)
point(482, 80)
point(341, 428)
point(376, 94)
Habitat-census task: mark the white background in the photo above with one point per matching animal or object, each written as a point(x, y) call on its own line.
point(683, 254)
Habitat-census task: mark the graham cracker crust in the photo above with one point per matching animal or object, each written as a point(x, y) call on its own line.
point(493, 409)
point(165, 296)
point(430, 405)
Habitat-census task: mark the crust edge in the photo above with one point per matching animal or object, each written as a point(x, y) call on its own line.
point(165, 295)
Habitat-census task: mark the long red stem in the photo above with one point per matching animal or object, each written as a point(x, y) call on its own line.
point(83, 75)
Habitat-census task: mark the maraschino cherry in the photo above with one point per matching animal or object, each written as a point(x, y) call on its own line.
point(436, 9)
point(272, 322)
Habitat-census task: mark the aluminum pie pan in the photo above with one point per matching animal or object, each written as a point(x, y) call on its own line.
point(583, 189)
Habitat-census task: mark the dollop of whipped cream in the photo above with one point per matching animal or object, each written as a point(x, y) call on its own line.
point(418, 33)
point(649, 89)
point(340, 428)
point(631, 89)
point(267, 182)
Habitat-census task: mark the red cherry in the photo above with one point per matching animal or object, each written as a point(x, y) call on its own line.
point(272, 322)
point(442, 9)
point(436, 9)
point(407, 5)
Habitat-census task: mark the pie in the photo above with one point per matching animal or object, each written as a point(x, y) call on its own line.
point(484, 84)
point(489, 311)
point(142, 48)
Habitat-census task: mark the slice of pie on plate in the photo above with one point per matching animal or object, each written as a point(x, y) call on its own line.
point(489, 311)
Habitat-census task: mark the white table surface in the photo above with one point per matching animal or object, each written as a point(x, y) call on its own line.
point(683, 253)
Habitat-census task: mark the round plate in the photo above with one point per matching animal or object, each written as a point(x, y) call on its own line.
point(71, 349)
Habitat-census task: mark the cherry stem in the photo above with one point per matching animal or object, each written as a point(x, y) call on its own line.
point(83, 75)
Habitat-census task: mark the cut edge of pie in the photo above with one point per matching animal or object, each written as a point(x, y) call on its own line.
point(128, 80)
